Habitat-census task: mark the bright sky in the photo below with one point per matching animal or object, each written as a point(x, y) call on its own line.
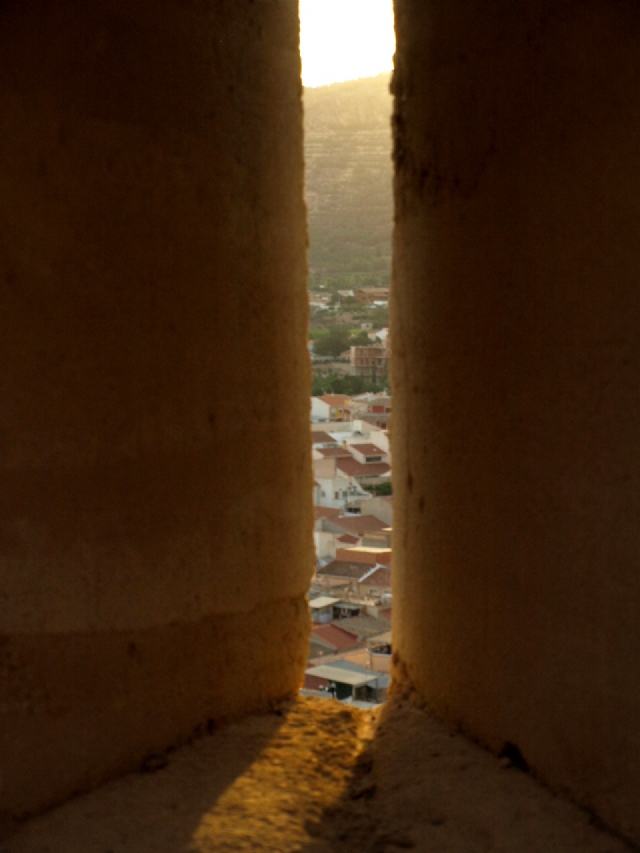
point(345, 39)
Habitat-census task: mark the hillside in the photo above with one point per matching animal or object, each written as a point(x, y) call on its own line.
point(348, 180)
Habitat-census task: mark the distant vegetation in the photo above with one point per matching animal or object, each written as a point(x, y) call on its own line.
point(350, 385)
point(334, 340)
point(381, 490)
point(350, 314)
point(348, 183)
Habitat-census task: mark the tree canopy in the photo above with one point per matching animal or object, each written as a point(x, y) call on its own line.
point(350, 385)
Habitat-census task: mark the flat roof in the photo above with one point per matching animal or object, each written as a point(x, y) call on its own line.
point(344, 676)
point(323, 601)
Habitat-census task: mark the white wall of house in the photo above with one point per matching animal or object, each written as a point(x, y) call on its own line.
point(340, 492)
point(372, 590)
point(325, 544)
point(372, 434)
point(348, 426)
point(320, 409)
point(317, 454)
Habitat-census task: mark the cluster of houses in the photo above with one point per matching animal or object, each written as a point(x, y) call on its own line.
point(372, 409)
point(350, 597)
point(369, 361)
point(375, 296)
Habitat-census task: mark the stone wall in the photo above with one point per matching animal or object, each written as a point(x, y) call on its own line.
point(155, 538)
point(155, 473)
point(516, 321)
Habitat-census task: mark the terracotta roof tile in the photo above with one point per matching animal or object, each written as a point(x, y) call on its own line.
point(341, 569)
point(325, 512)
point(335, 399)
point(321, 437)
point(336, 636)
point(352, 468)
point(368, 449)
point(359, 524)
point(348, 570)
point(312, 682)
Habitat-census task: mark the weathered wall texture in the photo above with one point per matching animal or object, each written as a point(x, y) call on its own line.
point(155, 541)
point(517, 374)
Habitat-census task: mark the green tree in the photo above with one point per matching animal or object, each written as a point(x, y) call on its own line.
point(381, 489)
point(379, 316)
point(335, 384)
point(335, 342)
point(361, 339)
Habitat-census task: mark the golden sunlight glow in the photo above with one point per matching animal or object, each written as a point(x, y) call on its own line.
point(345, 39)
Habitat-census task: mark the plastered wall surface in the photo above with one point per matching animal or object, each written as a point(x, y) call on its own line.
point(516, 324)
point(155, 546)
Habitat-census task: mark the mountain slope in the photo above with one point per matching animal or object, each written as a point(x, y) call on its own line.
point(348, 179)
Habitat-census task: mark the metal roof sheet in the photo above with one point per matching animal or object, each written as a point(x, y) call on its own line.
point(322, 601)
point(344, 676)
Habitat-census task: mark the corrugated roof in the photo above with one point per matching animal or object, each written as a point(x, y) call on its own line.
point(344, 676)
point(384, 679)
point(344, 663)
point(322, 601)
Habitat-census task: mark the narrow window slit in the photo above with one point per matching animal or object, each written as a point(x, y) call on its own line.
point(347, 57)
